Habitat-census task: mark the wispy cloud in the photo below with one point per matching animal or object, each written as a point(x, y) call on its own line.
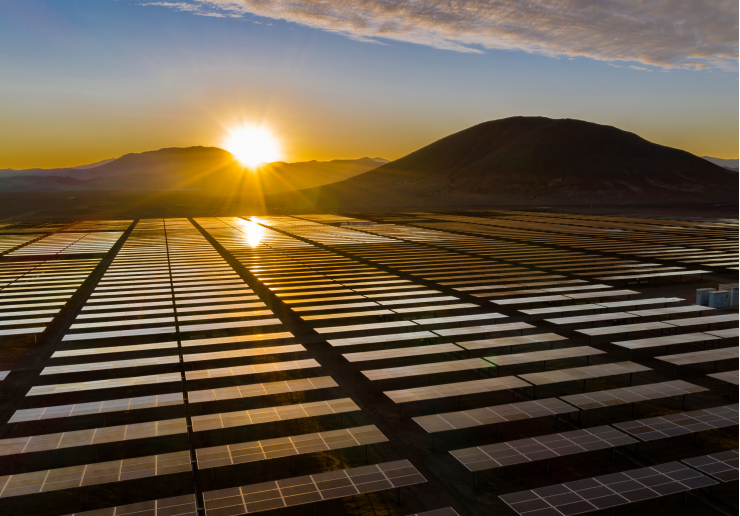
point(659, 33)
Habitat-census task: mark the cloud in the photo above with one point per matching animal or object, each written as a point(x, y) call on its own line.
point(659, 33)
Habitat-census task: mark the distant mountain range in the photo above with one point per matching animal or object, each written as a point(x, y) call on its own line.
point(514, 161)
point(532, 160)
point(205, 169)
point(729, 164)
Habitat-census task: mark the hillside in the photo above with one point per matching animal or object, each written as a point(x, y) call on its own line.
point(533, 160)
point(204, 169)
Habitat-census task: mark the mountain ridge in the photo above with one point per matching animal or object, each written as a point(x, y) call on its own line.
point(525, 160)
point(190, 168)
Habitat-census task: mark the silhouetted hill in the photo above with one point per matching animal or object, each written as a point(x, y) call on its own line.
point(206, 169)
point(533, 160)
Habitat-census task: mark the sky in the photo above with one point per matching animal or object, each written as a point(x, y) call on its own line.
point(87, 80)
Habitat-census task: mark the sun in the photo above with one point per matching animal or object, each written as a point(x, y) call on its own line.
point(252, 145)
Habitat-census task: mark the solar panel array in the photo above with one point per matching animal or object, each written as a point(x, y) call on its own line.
point(608, 491)
point(205, 360)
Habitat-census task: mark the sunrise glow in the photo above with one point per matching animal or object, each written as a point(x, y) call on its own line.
point(252, 145)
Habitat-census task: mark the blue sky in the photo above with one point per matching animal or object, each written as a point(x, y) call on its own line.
point(92, 79)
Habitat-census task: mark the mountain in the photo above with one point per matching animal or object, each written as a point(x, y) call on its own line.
point(93, 165)
point(531, 160)
point(206, 169)
point(729, 164)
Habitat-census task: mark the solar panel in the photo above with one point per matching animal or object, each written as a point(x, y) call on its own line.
point(544, 447)
point(42, 390)
point(271, 414)
point(177, 506)
point(653, 391)
point(364, 327)
point(493, 415)
point(446, 511)
point(601, 306)
point(582, 373)
point(710, 319)
point(261, 389)
point(236, 338)
point(425, 369)
point(259, 323)
point(625, 328)
point(241, 453)
point(727, 333)
point(681, 423)
point(721, 466)
point(342, 315)
point(104, 366)
point(251, 369)
point(659, 312)
point(700, 357)
point(96, 407)
point(459, 319)
point(311, 488)
point(375, 339)
point(433, 308)
point(91, 436)
point(510, 342)
point(543, 356)
point(447, 390)
point(592, 318)
point(665, 340)
point(475, 330)
point(730, 377)
point(247, 352)
point(419, 300)
point(93, 474)
point(654, 275)
point(120, 333)
point(607, 491)
point(384, 354)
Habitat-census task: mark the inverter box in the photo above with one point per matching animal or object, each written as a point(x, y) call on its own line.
point(719, 299)
point(732, 288)
point(702, 296)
